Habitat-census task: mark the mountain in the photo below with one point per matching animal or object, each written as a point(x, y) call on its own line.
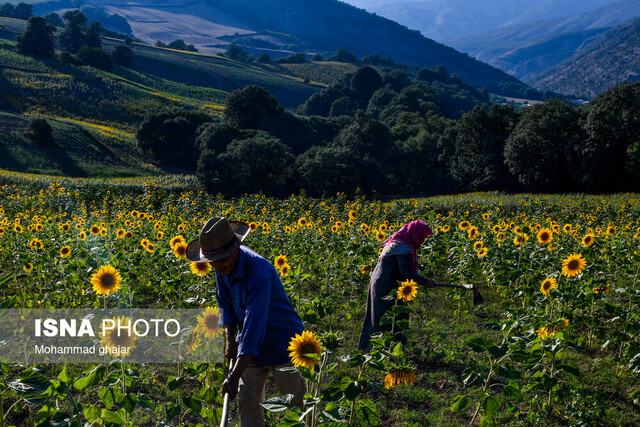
point(444, 20)
point(526, 49)
point(609, 60)
point(274, 26)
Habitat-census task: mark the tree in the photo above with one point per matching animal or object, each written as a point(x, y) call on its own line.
point(343, 55)
point(72, 37)
point(325, 171)
point(478, 160)
point(372, 142)
point(319, 104)
point(364, 83)
point(236, 53)
point(94, 57)
point(122, 55)
point(264, 58)
point(23, 11)
point(256, 164)
point(343, 107)
point(602, 162)
point(245, 108)
point(36, 38)
point(54, 19)
point(535, 150)
point(92, 36)
point(40, 131)
point(8, 10)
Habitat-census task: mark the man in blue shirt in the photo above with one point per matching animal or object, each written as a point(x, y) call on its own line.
point(257, 316)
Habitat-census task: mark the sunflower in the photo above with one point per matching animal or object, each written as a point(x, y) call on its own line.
point(28, 267)
point(208, 322)
point(482, 252)
point(611, 230)
point(144, 243)
point(602, 290)
point(18, 228)
point(284, 270)
point(65, 251)
point(519, 241)
point(464, 225)
point(175, 240)
point(194, 342)
point(180, 250)
point(200, 268)
point(546, 332)
point(306, 350)
point(567, 228)
point(407, 290)
point(380, 236)
point(472, 232)
point(280, 261)
point(353, 214)
point(478, 245)
point(253, 226)
point(119, 340)
point(366, 269)
point(547, 285)
point(106, 280)
point(573, 265)
point(95, 230)
point(121, 233)
point(302, 222)
point(485, 216)
point(398, 377)
point(82, 235)
point(545, 236)
point(151, 248)
point(588, 240)
point(36, 244)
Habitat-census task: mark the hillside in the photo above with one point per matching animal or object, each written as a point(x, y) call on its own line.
point(609, 60)
point(443, 20)
point(287, 25)
point(529, 48)
point(74, 151)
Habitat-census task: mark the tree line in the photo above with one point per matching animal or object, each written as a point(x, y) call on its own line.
point(387, 133)
point(79, 40)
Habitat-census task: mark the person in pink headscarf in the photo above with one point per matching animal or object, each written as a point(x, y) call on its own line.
point(398, 262)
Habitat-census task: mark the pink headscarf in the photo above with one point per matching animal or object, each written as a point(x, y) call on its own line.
point(412, 235)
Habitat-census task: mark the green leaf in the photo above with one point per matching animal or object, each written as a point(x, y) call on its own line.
point(333, 393)
point(460, 402)
point(114, 417)
point(571, 369)
point(145, 402)
point(62, 376)
point(367, 411)
point(292, 419)
point(512, 391)
point(172, 410)
point(129, 402)
point(174, 382)
point(91, 413)
point(634, 364)
point(333, 412)
point(479, 344)
point(487, 421)
point(45, 412)
point(498, 351)
point(490, 405)
point(91, 379)
point(31, 382)
point(278, 403)
point(549, 382)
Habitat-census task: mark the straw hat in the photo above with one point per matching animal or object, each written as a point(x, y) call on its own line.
point(218, 239)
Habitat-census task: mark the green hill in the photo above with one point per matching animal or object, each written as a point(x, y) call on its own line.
point(74, 151)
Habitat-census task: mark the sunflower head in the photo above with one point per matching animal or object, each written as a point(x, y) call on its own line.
point(545, 236)
point(547, 285)
point(407, 290)
point(305, 350)
point(175, 240)
point(464, 225)
point(65, 251)
point(482, 252)
point(280, 261)
point(208, 322)
point(106, 280)
point(398, 377)
point(117, 336)
point(200, 268)
point(180, 250)
point(573, 265)
point(587, 240)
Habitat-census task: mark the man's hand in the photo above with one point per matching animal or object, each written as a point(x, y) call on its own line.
point(230, 385)
point(431, 284)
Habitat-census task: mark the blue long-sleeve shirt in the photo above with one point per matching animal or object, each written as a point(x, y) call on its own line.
point(254, 300)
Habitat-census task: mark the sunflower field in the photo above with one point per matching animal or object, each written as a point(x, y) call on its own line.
point(556, 341)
